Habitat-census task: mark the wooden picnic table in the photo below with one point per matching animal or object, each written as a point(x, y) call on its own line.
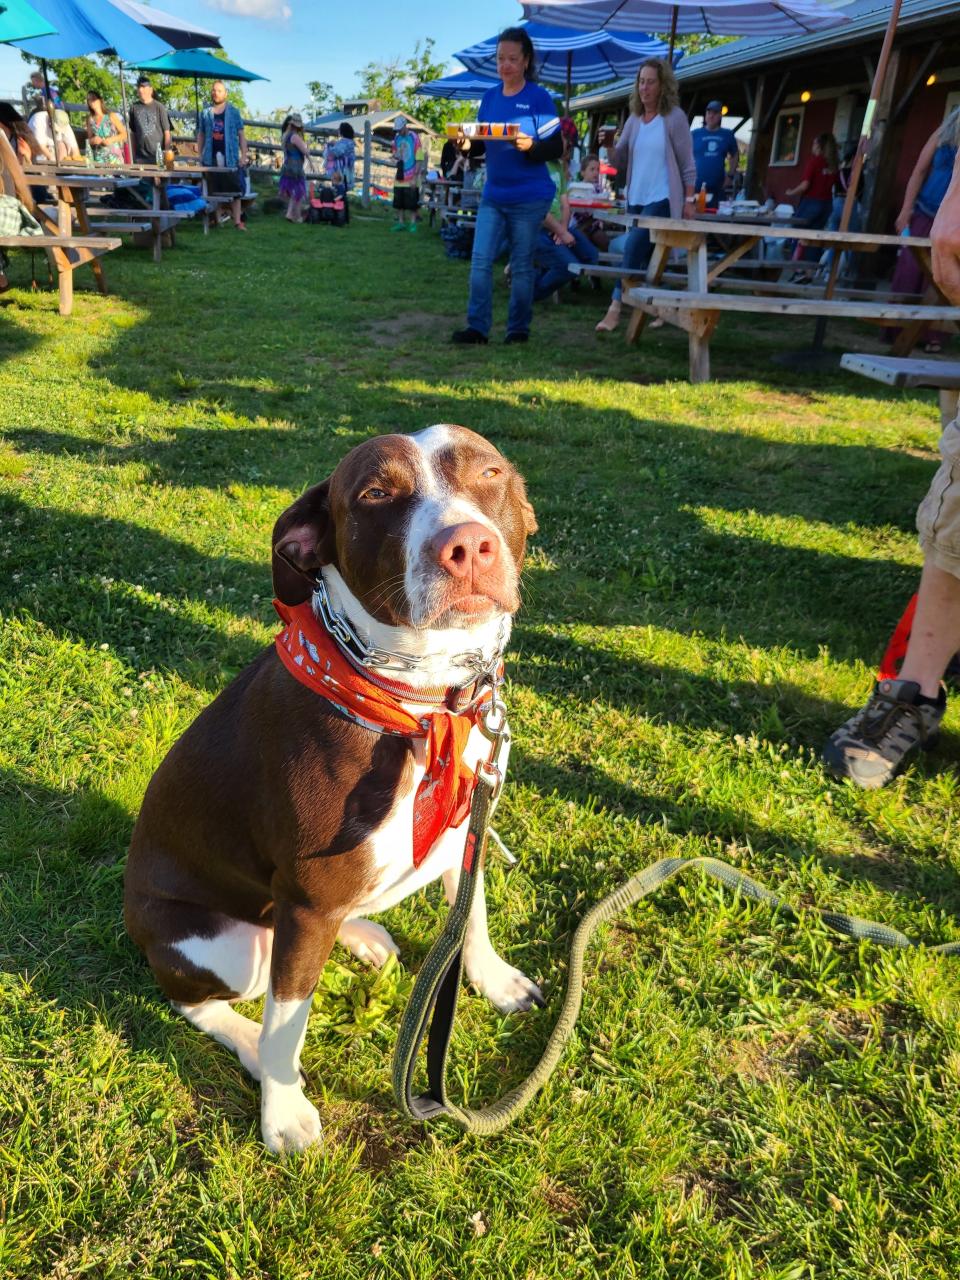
point(943, 375)
point(697, 308)
point(160, 219)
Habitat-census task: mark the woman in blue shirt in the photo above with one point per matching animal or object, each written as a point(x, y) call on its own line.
point(924, 194)
point(518, 190)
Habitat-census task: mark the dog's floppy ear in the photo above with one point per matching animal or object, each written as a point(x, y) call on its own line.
point(523, 502)
point(302, 542)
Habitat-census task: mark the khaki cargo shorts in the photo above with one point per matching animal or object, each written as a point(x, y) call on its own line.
point(938, 517)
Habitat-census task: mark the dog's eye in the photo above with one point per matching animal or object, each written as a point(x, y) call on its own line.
point(490, 473)
point(374, 494)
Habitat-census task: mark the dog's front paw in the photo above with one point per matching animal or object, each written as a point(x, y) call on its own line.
point(288, 1121)
point(506, 988)
point(368, 941)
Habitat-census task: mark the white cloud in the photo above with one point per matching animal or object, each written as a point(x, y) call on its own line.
point(265, 10)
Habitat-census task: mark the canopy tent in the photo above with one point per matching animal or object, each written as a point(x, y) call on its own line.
point(463, 86)
point(177, 32)
point(201, 65)
point(689, 17)
point(20, 21)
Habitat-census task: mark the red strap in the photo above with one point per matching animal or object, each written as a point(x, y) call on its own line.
point(897, 648)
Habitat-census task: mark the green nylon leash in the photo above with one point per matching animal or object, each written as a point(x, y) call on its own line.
point(433, 1002)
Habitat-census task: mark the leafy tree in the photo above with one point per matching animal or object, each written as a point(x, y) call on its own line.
point(392, 85)
point(322, 98)
point(79, 76)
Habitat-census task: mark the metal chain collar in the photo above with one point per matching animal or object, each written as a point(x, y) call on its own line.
point(374, 658)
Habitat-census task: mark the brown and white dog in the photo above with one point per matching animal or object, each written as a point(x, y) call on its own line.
point(276, 825)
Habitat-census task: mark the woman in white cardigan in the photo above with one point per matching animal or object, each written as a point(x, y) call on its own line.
point(656, 150)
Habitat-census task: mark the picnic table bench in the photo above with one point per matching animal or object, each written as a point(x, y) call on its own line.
point(943, 375)
point(64, 250)
point(68, 253)
point(698, 308)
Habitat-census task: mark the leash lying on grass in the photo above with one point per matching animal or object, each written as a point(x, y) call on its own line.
point(433, 1002)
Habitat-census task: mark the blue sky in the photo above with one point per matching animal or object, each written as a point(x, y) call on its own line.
point(293, 41)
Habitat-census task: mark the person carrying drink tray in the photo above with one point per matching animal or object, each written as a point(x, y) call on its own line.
point(518, 190)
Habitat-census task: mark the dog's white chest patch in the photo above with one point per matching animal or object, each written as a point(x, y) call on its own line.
point(392, 843)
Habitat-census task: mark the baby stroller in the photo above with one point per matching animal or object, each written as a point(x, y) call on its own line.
point(328, 203)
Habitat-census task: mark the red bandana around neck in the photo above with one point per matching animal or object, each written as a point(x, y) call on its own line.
point(443, 797)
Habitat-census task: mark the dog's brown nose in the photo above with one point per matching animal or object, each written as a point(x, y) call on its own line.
point(466, 549)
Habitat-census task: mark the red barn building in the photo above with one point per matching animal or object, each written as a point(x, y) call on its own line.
point(791, 88)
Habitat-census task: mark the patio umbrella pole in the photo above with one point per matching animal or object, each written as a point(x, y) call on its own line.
point(858, 161)
point(196, 99)
point(123, 101)
point(569, 74)
point(673, 32)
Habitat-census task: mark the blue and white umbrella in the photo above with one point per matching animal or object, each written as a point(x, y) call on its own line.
point(463, 86)
point(566, 57)
point(689, 17)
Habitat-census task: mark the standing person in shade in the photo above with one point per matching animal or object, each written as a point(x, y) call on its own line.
point(815, 189)
point(559, 242)
point(715, 152)
point(903, 714)
point(105, 132)
point(518, 191)
point(221, 142)
point(656, 150)
point(926, 188)
point(149, 125)
point(293, 184)
point(408, 156)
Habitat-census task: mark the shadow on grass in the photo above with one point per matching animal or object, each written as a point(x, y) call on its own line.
point(71, 571)
point(632, 488)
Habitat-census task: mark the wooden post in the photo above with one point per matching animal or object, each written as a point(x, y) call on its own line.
point(865, 132)
point(756, 112)
point(367, 160)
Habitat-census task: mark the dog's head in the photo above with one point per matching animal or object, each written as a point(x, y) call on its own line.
point(426, 530)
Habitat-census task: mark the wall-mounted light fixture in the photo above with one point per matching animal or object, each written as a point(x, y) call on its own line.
point(805, 96)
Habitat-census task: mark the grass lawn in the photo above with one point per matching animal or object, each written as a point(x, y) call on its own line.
point(716, 572)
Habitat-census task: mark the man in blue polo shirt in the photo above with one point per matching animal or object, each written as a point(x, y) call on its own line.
point(713, 147)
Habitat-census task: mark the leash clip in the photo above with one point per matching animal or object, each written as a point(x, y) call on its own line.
point(493, 724)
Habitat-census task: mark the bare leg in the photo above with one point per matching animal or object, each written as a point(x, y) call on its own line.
point(505, 987)
point(935, 636)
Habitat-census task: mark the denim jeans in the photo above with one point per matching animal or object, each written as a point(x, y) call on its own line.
point(639, 246)
point(552, 261)
point(815, 213)
point(519, 223)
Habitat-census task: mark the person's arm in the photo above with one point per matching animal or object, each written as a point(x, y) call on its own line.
point(945, 234)
point(550, 148)
point(119, 132)
point(165, 124)
point(92, 139)
point(682, 141)
point(202, 137)
point(244, 153)
point(558, 229)
point(916, 181)
point(803, 186)
point(733, 157)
